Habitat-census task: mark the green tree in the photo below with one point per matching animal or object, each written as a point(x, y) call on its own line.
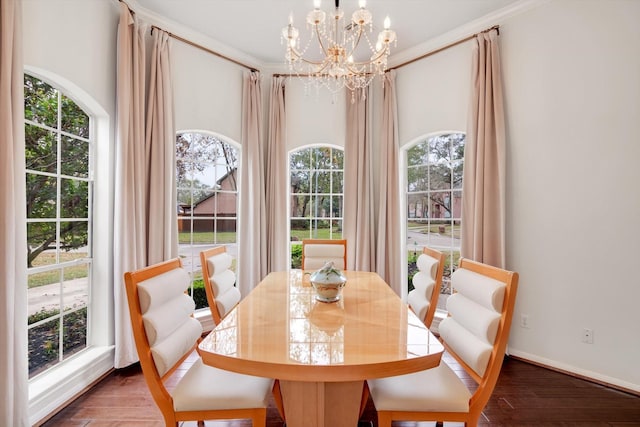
point(435, 168)
point(195, 152)
point(56, 176)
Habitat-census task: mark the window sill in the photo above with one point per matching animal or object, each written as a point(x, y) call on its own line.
point(55, 388)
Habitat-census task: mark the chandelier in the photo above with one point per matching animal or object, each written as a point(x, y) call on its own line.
point(343, 55)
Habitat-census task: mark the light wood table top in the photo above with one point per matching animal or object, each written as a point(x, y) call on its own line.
point(280, 331)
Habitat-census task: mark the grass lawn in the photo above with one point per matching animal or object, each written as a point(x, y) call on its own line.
point(53, 276)
point(320, 233)
point(206, 237)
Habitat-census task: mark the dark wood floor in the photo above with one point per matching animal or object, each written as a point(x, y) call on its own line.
point(526, 395)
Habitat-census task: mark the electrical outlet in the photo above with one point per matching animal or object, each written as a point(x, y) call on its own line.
point(587, 336)
point(524, 321)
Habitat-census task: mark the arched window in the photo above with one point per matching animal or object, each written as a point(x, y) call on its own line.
point(207, 188)
point(316, 188)
point(434, 201)
point(59, 183)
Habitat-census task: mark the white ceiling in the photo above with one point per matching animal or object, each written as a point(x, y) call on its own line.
point(253, 26)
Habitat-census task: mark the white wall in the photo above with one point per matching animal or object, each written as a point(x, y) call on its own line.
point(313, 117)
point(572, 92)
point(207, 91)
point(572, 88)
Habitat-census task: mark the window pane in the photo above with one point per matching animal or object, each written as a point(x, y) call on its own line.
point(226, 230)
point(41, 196)
point(41, 239)
point(74, 198)
point(40, 149)
point(74, 120)
point(300, 181)
point(300, 229)
point(74, 234)
point(336, 206)
point(336, 229)
point(338, 159)
point(300, 159)
point(337, 183)
point(321, 182)
point(75, 287)
point(75, 332)
point(40, 102)
point(321, 158)
point(418, 178)
point(43, 346)
point(75, 157)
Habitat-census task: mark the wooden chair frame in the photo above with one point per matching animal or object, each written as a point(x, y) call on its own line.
point(342, 242)
point(211, 299)
point(433, 303)
point(486, 383)
point(154, 380)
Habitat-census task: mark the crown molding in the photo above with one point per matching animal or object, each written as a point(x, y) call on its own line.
point(464, 31)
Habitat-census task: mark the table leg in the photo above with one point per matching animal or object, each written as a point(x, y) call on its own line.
point(317, 404)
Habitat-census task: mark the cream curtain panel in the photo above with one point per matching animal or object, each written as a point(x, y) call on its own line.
point(161, 151)
point(252, 222)
point(483, 191)
point(388, 264)
point(14, 394)
point(145, 224)
point(358, 227)
point(276, 174)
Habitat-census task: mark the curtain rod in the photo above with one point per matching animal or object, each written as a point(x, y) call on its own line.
point(213, 52)
point(189, 42)
point(411, 61)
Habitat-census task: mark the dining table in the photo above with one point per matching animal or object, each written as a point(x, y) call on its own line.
point(321, 353)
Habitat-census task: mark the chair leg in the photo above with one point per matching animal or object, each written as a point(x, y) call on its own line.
point(200, 423)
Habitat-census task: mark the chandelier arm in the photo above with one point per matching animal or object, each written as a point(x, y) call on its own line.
point(379, 55)
point(324, 50)
point(298, 56)
point(357, 43)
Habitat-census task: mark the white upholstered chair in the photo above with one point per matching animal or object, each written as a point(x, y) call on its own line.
point(317, 252)
point(165, 334)
point(423, 298)
point(219, 281)
point(475, 334)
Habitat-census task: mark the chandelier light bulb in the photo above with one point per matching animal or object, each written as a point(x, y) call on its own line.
point(362, 4)
point(316, 4)
point(387, 23)
point(290, 18)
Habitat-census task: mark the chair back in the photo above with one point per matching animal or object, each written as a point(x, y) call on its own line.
point(164, 329)
point(423, 299)
point(477, 329)
point(317, 252)
point(219, 281)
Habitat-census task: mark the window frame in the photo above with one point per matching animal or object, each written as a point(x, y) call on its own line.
point(331, 196)
point(451, 251)
point(193, 266)
point(57, 385)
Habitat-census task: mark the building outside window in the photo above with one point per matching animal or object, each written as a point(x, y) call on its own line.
point(59, 190)
point(316, 189)
point(207, 188)
point(434, 201)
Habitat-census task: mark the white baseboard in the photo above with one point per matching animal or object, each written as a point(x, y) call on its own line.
point(50, 392)
point(595, 376)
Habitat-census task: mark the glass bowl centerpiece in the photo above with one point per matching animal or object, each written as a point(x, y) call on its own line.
point(328, 283)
